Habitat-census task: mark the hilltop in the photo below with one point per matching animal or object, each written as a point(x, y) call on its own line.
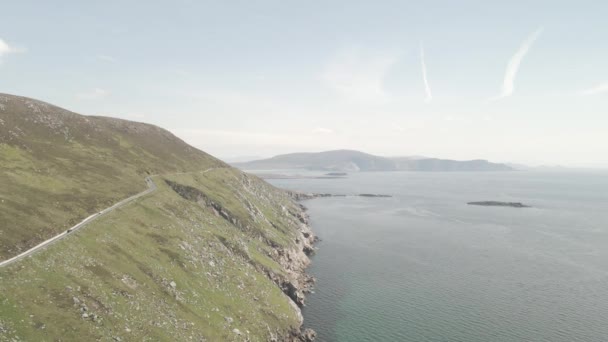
point(353, 161)
point(212, 256)
point(58, 167)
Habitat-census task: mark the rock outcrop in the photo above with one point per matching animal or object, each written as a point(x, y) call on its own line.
point(301, 196)
point(500, 204)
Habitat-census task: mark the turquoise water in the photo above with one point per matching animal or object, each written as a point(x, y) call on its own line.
point(425, 266)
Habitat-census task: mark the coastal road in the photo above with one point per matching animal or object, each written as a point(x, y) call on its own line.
point(151, 188)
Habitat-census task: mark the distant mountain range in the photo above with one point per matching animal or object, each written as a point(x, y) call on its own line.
point(353, 161)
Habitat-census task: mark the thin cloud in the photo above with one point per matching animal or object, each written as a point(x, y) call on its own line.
point(599, 89)
point(358, 74)
point(508, 85)
point(427, 88)
point(6, 49)
point(94, 94)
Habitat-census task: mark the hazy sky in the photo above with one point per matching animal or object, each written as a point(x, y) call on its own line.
point(517, 81)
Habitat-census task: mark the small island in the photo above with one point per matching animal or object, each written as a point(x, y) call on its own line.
point(373, 195)
point(337, 174)
point(500, 204)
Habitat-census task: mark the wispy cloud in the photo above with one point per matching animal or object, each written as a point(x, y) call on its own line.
point(508, 85)
point(358, 74)
point(427, 87)
point(6, 49)
point(93, 94)
point(600, 88)
point(107, 58)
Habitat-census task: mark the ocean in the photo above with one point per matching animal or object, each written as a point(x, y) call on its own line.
point(425, 266)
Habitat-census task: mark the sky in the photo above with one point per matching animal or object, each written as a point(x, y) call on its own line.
point(509, 81)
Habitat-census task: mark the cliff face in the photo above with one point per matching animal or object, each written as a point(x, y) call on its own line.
point(209, 256)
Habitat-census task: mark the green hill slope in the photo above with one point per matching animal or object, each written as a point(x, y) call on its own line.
point(214, 256)
point(58, 167)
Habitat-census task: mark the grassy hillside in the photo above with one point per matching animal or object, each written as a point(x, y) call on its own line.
point(58, 167)
point(213, 256)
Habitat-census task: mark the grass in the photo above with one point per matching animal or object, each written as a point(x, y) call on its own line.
point(57, 167)
point(162, 268)
point(122, 266)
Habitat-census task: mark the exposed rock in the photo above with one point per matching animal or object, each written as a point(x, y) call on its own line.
point(294, 260)
point(373, 195)
point(308, 335)
point(173, 284)
point(293, 292)
point(300, 196)
point(309, 250)
point(295, 335)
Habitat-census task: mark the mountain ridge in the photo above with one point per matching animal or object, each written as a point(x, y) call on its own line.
point(354, 161)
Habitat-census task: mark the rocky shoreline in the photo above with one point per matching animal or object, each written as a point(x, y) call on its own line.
point(295, 261)
point(300, 196)
point(295, 282)
point(299, 283)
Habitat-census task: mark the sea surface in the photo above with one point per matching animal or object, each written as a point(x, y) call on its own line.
point(425, 266)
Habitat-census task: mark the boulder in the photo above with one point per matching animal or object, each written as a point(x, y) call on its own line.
point(308, 335)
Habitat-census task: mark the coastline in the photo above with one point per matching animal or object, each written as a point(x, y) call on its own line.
point(296, 261)
point(299, 283)
point(293, 280)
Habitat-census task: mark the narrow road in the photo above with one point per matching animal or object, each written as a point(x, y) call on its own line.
point(151, 188)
